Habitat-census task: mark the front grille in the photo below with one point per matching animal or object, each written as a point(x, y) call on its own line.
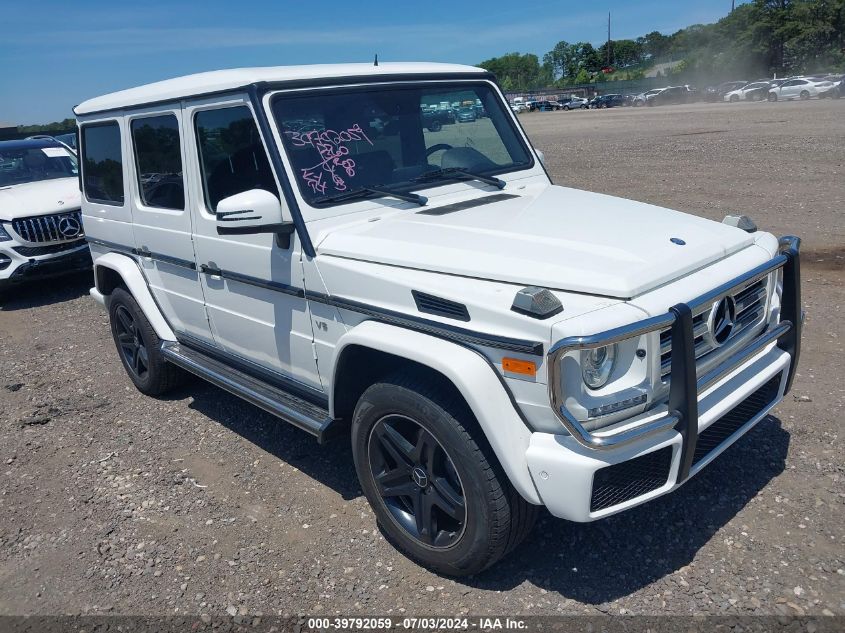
point(750, 302)
point(616, 484)
point(59, 227)
point(37, 251)
point(714, 435)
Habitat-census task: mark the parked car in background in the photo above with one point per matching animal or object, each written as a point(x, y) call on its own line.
point(434, 118)
point(670, 95)
point(546, 105)
point(717, 93)
point(642, 98)
point(837, 90)
point(576, 103)
point(607, 101)
point(749, 92)
point(799, 88)
point(466, 115)
point(40, 224)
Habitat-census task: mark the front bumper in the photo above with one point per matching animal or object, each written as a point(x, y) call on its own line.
point(584, 476)
point(21, 268)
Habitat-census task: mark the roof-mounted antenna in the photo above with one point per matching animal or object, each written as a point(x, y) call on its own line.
point(375, 61)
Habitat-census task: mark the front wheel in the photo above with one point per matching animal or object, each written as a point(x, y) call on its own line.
point(773, 97)
point(804, 95)
point(435, 126)
point(436, 488)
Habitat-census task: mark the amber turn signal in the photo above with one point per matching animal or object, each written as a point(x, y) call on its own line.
point(516, 366)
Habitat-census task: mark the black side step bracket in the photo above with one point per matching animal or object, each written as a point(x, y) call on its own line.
point(301, 413)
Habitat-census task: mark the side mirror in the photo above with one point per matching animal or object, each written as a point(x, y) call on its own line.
point(541, 156)
point(251, 212)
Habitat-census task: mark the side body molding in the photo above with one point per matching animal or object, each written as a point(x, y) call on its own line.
point(474, 378)
point(127, 268)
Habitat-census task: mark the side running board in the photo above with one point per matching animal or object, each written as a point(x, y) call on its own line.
point(301, 413)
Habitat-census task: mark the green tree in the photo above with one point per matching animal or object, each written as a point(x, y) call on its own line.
point(518, 71)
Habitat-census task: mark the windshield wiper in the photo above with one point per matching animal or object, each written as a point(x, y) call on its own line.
point(363, 192)
point(451, 172)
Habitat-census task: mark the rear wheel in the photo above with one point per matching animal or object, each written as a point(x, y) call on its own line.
point(804, 95)
point(435, 486)
point(139, 347)
point(435, 126)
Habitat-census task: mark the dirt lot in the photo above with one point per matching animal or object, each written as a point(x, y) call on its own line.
point(111, 502)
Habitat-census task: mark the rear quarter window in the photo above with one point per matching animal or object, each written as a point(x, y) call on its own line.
point(102, 162)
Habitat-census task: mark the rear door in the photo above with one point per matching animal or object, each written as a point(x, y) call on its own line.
point(162, 222)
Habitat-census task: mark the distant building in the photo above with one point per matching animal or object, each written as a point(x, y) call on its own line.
point(7, 131)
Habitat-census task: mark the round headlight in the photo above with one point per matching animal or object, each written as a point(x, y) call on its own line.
point(597, 365)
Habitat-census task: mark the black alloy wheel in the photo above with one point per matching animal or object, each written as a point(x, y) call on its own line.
point(417, 481)
point(139, 347)
point(131, 343)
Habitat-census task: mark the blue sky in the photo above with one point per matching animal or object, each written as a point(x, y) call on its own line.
point(56, 54)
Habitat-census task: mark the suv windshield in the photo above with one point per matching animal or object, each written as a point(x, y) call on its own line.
point(390, 136)
point(31, 164)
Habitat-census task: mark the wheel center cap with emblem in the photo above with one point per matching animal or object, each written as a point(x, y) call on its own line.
point(722, 320)
point(419, 477)
point(69, 227)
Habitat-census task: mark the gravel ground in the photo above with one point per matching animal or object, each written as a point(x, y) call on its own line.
point(111, 502)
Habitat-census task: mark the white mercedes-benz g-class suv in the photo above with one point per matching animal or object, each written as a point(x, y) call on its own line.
point(40, 223)
point(491, 342)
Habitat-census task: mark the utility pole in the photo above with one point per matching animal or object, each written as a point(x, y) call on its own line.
point(608, 39)
point(733, 5)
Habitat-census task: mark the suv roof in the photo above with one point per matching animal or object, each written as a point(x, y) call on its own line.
point(225, 80)
point(30, 143)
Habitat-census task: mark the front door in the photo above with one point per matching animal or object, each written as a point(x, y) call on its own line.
point(253, 285)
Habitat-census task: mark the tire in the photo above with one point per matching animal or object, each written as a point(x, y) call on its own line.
point(474, 517)
point(734, 98)
point(435, 126)
point(139, 347)
point(804, 95)
point(566, 108)
point(773, 97)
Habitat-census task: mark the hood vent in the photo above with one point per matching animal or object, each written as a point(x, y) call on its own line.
point(466, 204)
point(430, 304)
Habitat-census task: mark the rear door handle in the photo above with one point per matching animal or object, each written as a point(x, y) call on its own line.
point(211, 270)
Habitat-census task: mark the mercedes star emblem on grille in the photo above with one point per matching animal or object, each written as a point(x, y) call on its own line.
point(721, 322)
point(69, 227)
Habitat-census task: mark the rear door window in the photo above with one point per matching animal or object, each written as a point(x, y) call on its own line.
point(158, 161)
point(102, 163)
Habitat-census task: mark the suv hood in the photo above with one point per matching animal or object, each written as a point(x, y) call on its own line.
point(562, 239)
point(39, 198)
